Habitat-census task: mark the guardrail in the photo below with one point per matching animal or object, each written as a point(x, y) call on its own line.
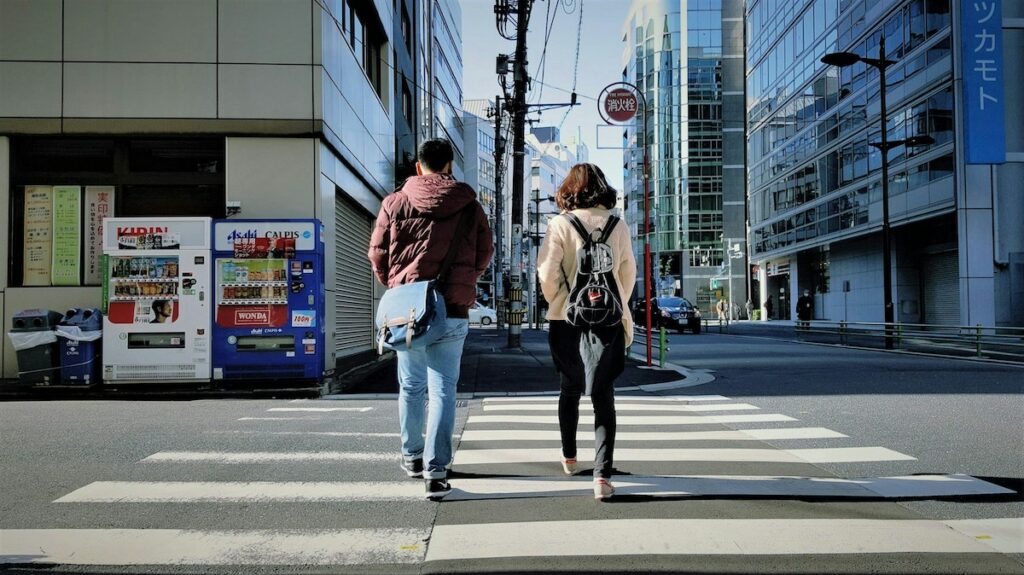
point(978, 341)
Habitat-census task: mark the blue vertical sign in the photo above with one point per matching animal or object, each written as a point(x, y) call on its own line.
point(982, 48)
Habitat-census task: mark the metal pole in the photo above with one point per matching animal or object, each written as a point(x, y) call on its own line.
point(499, 215)
point(647, 232)
point(886, 232)
point(515, 326)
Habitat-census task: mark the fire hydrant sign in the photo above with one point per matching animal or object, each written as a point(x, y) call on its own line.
point(620, 105)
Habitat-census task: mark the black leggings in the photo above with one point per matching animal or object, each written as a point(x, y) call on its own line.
point(588, 361)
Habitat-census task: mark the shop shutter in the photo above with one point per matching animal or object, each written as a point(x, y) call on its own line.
point(353, 281)
point(942, 289)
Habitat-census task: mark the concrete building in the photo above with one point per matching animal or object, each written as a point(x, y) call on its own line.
point(282, 109)
point(480, 171)
point(687, 59)
point(815, 181)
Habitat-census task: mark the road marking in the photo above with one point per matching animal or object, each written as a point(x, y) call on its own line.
point(265, 456)
point(199, 491)
point(728, 435)
point(314, 418)
point(322, 409)
point(630, 407)
point(696, 537)
point(618, 398)
point(637, 420)
point(545, 455)
point(1005, 535)
point(731, 485)
point(196, 547)
point(322, 433)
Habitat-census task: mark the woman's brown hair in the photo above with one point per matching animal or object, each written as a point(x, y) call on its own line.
point(585, 187)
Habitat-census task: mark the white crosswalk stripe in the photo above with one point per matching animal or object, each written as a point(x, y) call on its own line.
point(637, 420)
point(819, 455)
point(628, 407)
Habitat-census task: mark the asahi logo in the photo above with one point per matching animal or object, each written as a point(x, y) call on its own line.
point(236, 235)
point(252, 317)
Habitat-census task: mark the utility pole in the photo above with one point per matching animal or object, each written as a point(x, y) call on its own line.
point(499, 213)
point(522, 79)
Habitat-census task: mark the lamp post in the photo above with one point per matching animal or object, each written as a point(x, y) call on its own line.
point(843, 59)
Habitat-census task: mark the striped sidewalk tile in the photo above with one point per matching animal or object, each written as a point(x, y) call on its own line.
point(697, 537)
point(913, 486)
point(242, 491)
point(636, 419)
point(618, 398)
point(770, 434)
point(464, 457)
point(209, 547)
point(625, 406)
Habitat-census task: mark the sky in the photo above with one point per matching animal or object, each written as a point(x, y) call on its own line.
point(600, 59)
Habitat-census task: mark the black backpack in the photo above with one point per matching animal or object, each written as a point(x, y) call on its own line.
point(594, 299)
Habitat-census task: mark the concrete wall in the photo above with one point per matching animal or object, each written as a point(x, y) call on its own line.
point(272, 177)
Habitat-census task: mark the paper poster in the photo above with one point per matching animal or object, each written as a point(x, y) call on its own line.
point(38, 226)
point(66, 265)
point(99, 204)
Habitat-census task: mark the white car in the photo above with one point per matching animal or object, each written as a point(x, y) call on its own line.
point(482, 314)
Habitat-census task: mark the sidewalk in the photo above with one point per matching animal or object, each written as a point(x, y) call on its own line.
point(488, 367)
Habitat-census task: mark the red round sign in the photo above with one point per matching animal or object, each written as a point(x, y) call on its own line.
point(620, 105)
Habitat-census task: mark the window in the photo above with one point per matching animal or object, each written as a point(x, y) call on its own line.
point(406, 29)
point(407, 107)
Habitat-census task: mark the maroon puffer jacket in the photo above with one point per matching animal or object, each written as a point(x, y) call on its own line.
point(414, 229)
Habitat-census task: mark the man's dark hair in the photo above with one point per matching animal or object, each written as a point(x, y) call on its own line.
point(435, 154)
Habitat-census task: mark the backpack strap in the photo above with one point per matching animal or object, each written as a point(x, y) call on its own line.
point(609, 226)
point(580, 228)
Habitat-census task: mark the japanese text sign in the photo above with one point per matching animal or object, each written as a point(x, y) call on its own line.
point(982, 50)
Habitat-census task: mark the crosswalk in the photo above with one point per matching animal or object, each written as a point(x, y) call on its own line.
point(697, 475)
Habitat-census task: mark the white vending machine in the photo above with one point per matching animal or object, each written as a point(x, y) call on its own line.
point(156, 294)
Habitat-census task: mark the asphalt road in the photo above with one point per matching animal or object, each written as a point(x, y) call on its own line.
point(283, 486)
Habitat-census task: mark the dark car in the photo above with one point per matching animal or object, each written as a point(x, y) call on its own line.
point(670, 312)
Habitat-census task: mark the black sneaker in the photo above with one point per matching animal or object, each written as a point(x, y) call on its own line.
point(437, 488)
point(412, 468)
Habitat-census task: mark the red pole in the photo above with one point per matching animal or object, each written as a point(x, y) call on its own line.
point(647, 236)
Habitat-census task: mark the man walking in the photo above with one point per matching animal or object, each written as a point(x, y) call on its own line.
point(414, 230)
point(805, 310)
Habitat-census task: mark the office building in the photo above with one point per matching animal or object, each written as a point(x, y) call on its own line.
point(687, 59)
point(196, 108)
point(815, 197)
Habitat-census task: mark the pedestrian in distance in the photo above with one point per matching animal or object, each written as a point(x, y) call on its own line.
point(750, 309)
point(768, 306)
point(587, 269)
point(721, 307)
point(414, 230)
point(805, 309)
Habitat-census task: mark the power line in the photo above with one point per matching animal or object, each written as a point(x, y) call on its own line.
point(549, 26)
point(575, 66)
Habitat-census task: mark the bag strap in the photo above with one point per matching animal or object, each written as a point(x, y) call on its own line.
point(609, 226)
point(580, 228)
point(460, 232)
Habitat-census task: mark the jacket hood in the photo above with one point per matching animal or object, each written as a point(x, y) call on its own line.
point(439, 195)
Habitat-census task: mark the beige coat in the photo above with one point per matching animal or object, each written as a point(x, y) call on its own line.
point(557, 261)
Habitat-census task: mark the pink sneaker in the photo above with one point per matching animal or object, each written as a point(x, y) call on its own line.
point(603, 489)
point(569, 466)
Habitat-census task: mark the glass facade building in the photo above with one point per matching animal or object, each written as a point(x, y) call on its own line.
point(686, 57)
point(814, 180)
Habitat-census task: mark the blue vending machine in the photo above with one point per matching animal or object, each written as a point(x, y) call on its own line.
point(268, 321)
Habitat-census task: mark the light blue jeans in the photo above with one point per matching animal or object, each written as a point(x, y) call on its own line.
point(431, 371)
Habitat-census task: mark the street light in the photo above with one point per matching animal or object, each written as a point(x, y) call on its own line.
point(843, 59)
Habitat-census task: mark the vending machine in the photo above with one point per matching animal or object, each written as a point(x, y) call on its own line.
point(269, 300)
point(156, 295)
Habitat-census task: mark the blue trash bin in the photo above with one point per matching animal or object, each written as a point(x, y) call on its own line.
point(80, 334)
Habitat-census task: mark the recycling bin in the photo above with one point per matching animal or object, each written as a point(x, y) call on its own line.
point(79, 333)
point(34, 338)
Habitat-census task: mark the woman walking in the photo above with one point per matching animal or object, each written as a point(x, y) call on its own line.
point(588, 329)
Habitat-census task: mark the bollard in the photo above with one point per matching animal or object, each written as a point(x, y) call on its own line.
point(977, 340)
point(661, 347)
